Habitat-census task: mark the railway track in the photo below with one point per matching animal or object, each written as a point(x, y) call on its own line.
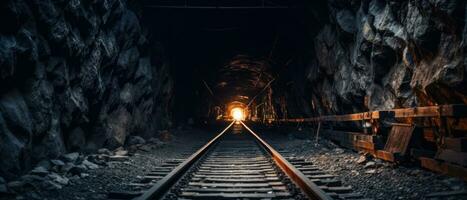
point(238, 164)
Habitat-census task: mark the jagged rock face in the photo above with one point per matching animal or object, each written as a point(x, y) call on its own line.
point(74, 75)
point(374, 55)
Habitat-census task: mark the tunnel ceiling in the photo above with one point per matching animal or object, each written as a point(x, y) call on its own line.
point(243, 78)
point(223, 55)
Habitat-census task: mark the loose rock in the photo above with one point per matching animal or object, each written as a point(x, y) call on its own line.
point(15, 185)
point(118, 158)
point(90, 165)
point(71, 157)
point(104, 151)
point(51, 185)
point(39, 171)
point(57, 162)
point(59, 179)
point(361, 159)
point(121, 152)
point(134, 140)
point(370, 164)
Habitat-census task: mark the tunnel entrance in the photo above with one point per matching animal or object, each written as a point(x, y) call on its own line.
point(218, 56)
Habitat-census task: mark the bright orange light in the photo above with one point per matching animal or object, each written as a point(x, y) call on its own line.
point(237, 114)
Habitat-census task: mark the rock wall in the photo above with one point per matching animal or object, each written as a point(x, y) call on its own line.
point(75, 75)
point(383, 54)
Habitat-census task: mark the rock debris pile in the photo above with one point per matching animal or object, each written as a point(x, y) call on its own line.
point(70, 168)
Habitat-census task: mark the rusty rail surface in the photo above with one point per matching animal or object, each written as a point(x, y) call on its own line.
point(309, 188)
point(454, 110)
point(159, 189)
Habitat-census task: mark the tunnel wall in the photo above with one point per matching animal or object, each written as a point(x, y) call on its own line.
point(76, 75)
point(376, 55)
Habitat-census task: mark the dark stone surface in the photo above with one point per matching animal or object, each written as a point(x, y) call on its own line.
point(376, 55)
point(75, 76)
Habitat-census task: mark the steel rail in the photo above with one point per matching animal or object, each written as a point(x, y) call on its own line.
point(160, 188)
point(311, 190)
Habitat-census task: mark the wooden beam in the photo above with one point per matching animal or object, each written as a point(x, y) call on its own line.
point(444, 167)
point(455, 110)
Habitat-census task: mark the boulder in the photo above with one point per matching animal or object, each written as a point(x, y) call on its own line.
point(51, 185)
point(70, 157)
point(15, 185)
point(58, 179)
point(77, 169)
point(67, 167)
point(120, 152)
point(134, 140)
point(40, 171)
point(57, 162)
point(89, 164)
point(104, 151)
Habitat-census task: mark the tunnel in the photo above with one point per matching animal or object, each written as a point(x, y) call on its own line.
point(233, 99)
point(223, 56)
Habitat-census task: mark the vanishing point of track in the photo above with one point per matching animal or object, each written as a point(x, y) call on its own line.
point(238, 164)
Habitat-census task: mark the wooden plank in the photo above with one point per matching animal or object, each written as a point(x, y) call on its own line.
point(310, 189)
point(237, 180)
point(353, 140)
point(234, 176)
point(236, 185)
point(235, 195)
point(443, 167)
point(158, 189)
point(399, 139)
point(236, 171)
point(230, 190)
point(364, 144)
point(454, 110)
point(385, 155)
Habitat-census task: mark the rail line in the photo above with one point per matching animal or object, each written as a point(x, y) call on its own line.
point(238, 164)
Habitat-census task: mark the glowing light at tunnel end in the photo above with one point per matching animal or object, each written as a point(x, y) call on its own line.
point(237, 114)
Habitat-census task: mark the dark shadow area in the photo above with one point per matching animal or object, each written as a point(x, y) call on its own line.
point(217, 55)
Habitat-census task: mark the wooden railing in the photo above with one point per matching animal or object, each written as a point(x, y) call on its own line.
point(455, 110)
point(444, 126)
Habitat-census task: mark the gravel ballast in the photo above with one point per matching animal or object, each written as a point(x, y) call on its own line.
point(371, 177)
point(126, 166)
